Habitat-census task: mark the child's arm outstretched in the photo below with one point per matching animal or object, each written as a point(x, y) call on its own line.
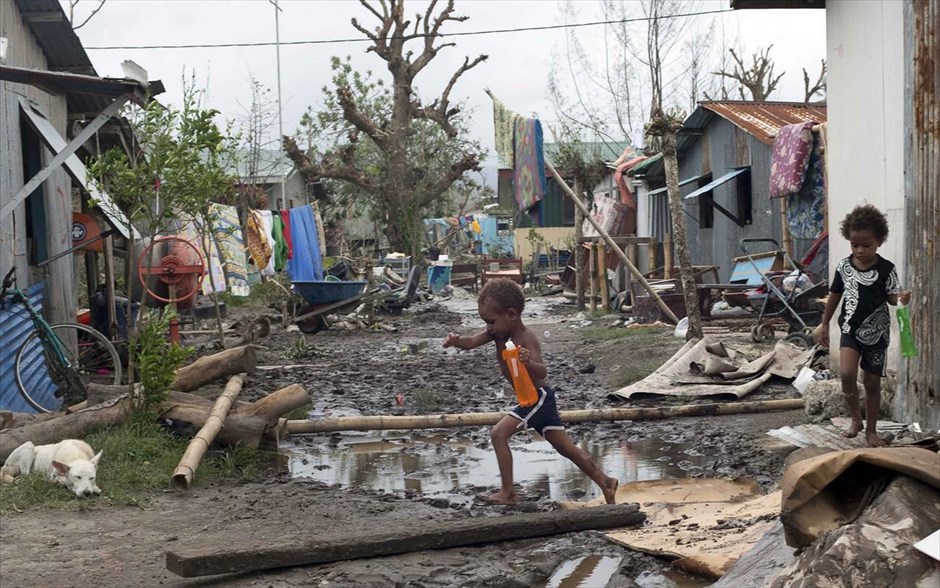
point(467, 342)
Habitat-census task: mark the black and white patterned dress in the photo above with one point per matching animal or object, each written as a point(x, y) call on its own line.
point(865, 300)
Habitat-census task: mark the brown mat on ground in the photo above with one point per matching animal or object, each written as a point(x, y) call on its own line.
point(825, 492)
point(705, 524)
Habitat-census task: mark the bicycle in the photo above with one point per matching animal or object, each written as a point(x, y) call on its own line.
point(55, 363)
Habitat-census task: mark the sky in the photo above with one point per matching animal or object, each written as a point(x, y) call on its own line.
point(517, 70)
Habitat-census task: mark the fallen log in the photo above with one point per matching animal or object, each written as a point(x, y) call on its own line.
point(67, 426)
point(276, 404)
point(213, 367)
point(441, 421)
point(197, 448)
point(209, 561)
point(194, 410)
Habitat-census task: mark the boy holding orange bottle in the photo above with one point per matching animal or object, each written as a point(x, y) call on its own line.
point(501, 302)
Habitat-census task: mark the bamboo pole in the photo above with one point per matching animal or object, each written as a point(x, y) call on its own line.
point(600, 231)
point(444, 421)
point(200, 443)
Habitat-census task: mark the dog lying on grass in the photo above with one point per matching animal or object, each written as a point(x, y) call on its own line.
point(72, 463)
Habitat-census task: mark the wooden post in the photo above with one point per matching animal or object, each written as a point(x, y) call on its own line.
point(480, 419)
point(651, 254)
point(592, 268)
point(602, 276)
point(578, 253)
point(785, 228)
point(667, 256)
point(197, 448)
point(109, 284)
point(208, 561)
point(639, 276)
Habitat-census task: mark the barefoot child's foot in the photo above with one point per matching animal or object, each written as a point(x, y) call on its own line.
point(874, 440)
point(854, 429)
point(502, 498)
point(610, 490)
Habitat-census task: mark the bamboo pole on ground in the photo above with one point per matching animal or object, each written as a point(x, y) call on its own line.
point(444, 421)
point(600, 231)
point(200, 443)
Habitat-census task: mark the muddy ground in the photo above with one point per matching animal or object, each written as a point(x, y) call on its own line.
point(362, 372)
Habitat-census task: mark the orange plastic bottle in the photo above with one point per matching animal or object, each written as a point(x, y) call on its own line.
point(526, 393)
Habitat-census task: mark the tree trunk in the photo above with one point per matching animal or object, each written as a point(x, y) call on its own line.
point(418, 537)
point(441, 421)
point(213, 367)
point(671, 163)
point(275, 404)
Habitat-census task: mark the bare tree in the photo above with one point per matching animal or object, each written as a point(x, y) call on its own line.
point(818, 88)
point(662, 130)
point(73, 4)
point(402, 189)
point(757, 78)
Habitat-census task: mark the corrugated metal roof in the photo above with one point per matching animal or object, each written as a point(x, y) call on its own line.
point(762, 119)
point(15, 326)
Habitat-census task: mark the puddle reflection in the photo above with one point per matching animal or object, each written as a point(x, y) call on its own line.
point(441, 464)
point(583, 572)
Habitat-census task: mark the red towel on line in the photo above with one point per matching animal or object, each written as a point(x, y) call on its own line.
point(285, 218)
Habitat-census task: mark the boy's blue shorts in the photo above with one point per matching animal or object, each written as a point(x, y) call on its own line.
point(541, 416)
point(873, 359)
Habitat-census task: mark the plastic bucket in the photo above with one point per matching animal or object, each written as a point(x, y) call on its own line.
point(439, 276)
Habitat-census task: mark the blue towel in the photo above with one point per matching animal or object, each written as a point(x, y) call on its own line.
point(306, 264)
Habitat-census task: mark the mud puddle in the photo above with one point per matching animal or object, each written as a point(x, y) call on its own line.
point(447, 465)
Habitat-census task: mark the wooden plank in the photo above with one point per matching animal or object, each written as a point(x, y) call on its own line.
point(208, 561)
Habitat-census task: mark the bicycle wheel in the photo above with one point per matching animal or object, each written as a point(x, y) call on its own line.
point(45, 384)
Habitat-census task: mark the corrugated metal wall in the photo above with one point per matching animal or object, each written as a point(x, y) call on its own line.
point(15, 326)
point(918, 397)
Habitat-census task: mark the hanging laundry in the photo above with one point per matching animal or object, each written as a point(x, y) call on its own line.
point(258, 246)
point(267, 227)
point(503, 119)
point(805, 208)
point(529, 183)
point(320, 231)
point(227, 233)
point(280, 245)
point(790, 158)
point(306, 263)
point(285, 220)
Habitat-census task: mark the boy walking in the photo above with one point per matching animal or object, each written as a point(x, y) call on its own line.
point(501, 302)
point(868, 283)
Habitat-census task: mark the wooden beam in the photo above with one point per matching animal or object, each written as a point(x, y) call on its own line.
point(411, 538)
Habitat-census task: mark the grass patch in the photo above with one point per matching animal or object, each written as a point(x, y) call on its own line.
point(139, 458)
point(299, 414)
point(636, 371)
point(428, 401)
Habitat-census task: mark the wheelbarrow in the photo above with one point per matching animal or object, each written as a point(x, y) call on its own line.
point(325, 296)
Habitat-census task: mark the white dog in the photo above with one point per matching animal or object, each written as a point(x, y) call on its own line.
point(72, 463)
